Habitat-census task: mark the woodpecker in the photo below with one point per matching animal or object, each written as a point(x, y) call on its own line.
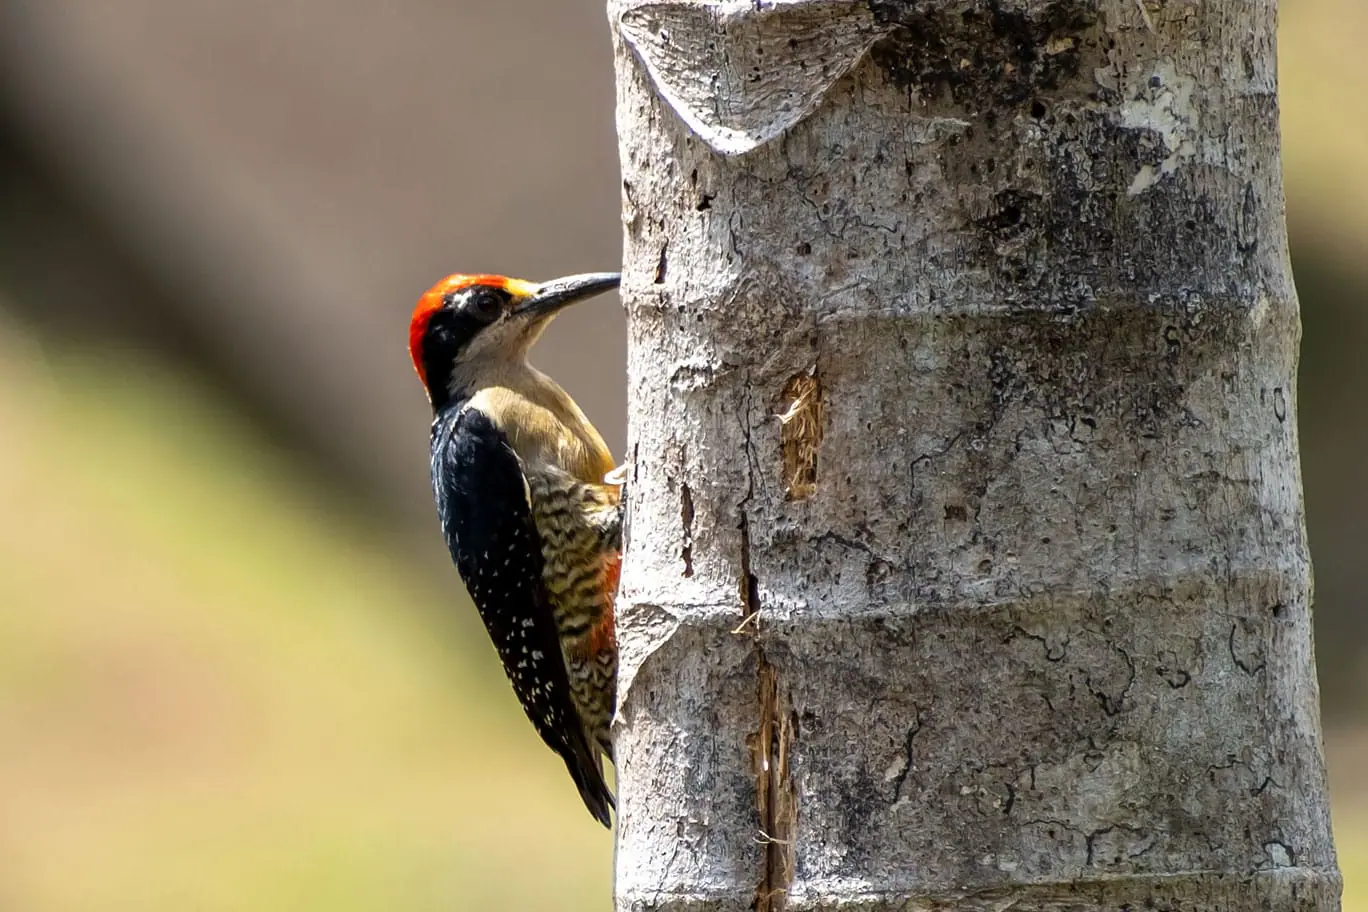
point(521, 480)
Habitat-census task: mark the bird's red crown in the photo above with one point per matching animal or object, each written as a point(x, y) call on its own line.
point(432, 301)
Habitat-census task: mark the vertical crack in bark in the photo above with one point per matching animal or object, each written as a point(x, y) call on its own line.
point(662, 263)
point(801, 421)
point(748, 585)
point(686, 518)
point(770, 744)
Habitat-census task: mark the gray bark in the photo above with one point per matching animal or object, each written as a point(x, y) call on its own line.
point(966, 564)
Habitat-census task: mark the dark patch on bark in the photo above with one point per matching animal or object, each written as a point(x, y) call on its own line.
point(1249, 665)
point(1061, 225)
point(1106, 367)
point(993, 57)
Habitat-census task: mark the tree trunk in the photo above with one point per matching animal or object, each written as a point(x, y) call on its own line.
point(966, 564)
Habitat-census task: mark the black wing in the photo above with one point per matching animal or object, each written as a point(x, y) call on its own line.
point(482, 502)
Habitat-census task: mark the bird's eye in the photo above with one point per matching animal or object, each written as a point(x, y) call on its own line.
point(486, 303)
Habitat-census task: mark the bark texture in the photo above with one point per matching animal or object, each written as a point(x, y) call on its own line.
point(966, 564)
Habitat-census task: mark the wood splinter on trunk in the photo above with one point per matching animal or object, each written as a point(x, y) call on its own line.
point(774, 794)
point(801, 421)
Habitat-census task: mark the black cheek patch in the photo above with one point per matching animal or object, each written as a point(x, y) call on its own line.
point(449, 333)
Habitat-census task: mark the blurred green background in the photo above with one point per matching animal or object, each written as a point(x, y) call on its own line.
point(236, 668)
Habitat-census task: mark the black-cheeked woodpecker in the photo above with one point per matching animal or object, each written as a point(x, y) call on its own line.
point(519, 476)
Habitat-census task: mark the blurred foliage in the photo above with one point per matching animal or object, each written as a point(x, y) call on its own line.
point(1324, 109)
point(1331, 383)
point(1351, 840)
point(1325, 157)
point(218, 690)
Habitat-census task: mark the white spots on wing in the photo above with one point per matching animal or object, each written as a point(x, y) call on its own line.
point(506, 602)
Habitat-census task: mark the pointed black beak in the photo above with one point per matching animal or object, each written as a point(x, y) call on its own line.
point(551, 296)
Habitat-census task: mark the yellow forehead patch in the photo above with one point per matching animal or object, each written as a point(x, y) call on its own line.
point(521, 287)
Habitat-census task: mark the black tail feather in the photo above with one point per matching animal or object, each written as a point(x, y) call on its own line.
point(587, 771)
